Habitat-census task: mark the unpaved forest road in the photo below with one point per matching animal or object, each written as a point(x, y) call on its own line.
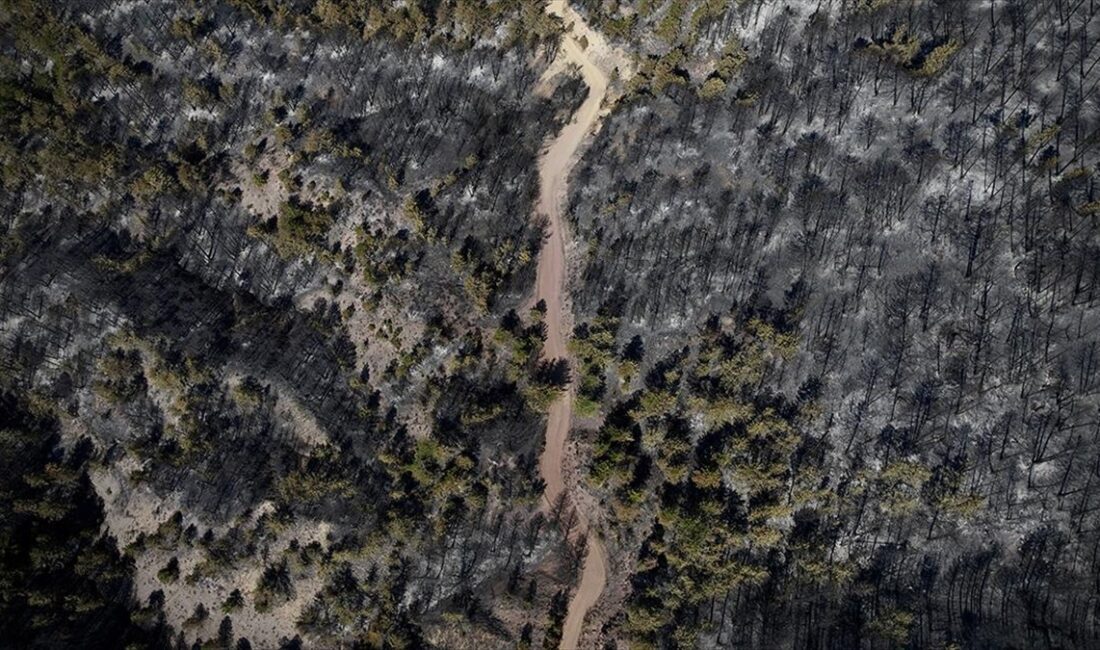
point(596, 61)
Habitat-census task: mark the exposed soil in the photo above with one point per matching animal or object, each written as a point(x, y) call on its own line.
point(597, 61)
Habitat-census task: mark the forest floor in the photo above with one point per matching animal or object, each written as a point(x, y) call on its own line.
point(598, 61)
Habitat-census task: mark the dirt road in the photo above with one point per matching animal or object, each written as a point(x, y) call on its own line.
point(596, 61)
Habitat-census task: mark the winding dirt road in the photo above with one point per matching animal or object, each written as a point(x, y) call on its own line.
point(596, 60)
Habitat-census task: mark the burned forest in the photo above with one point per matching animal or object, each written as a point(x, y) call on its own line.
point(590, 324)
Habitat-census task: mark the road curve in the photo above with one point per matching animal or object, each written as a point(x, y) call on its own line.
point(555, 165)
